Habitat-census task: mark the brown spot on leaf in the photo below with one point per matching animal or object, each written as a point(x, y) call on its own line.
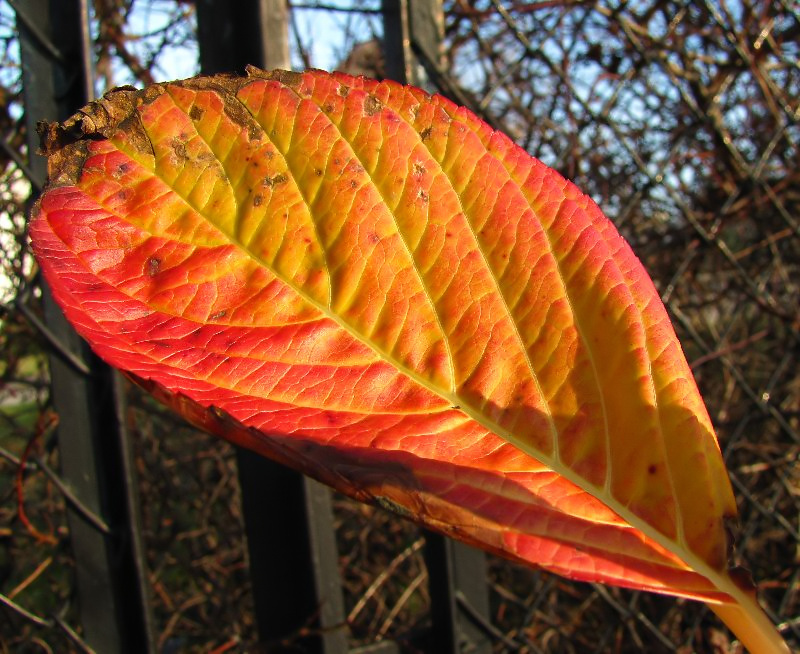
point(425, 134)
point(196, 113)
point(218, 315)
point(151, 93)
point(255, 71)
point(372, 105)
point(121, 170)
point(280, 178)
point(419, 169)
point(153, 266)
point(178, 146)
point(65, 144)
point(239, 115)
point(257, 200)
point(288, 78)
point(102, 116)
point(343, 90)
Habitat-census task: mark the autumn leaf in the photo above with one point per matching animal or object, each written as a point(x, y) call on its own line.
point(370, 285)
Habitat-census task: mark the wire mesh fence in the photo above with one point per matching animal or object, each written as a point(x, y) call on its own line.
point(680, 119)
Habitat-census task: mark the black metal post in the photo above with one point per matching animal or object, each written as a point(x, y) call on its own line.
point(459, 593)
point(94, 449)
point(288, 517)
point(232, 35)
point(413, 33)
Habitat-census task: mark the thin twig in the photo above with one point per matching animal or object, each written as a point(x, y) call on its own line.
point(11, 604)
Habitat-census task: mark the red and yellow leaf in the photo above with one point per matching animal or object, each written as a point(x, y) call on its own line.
point(369, 284)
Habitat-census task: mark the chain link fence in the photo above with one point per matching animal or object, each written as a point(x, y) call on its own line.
point(680, 119)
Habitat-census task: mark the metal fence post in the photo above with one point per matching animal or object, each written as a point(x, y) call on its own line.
point(288, 517)
point(413, 34)
point(93, 442)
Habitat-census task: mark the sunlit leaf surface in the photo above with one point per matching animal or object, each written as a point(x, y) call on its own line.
point(368, 284)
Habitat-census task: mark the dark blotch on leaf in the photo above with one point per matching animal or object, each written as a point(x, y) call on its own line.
point(289, 78)
point(196, 113)
point(120, 170)
point(280, 178)
point(179, 148)
point(372, 105)
point(153, 266)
